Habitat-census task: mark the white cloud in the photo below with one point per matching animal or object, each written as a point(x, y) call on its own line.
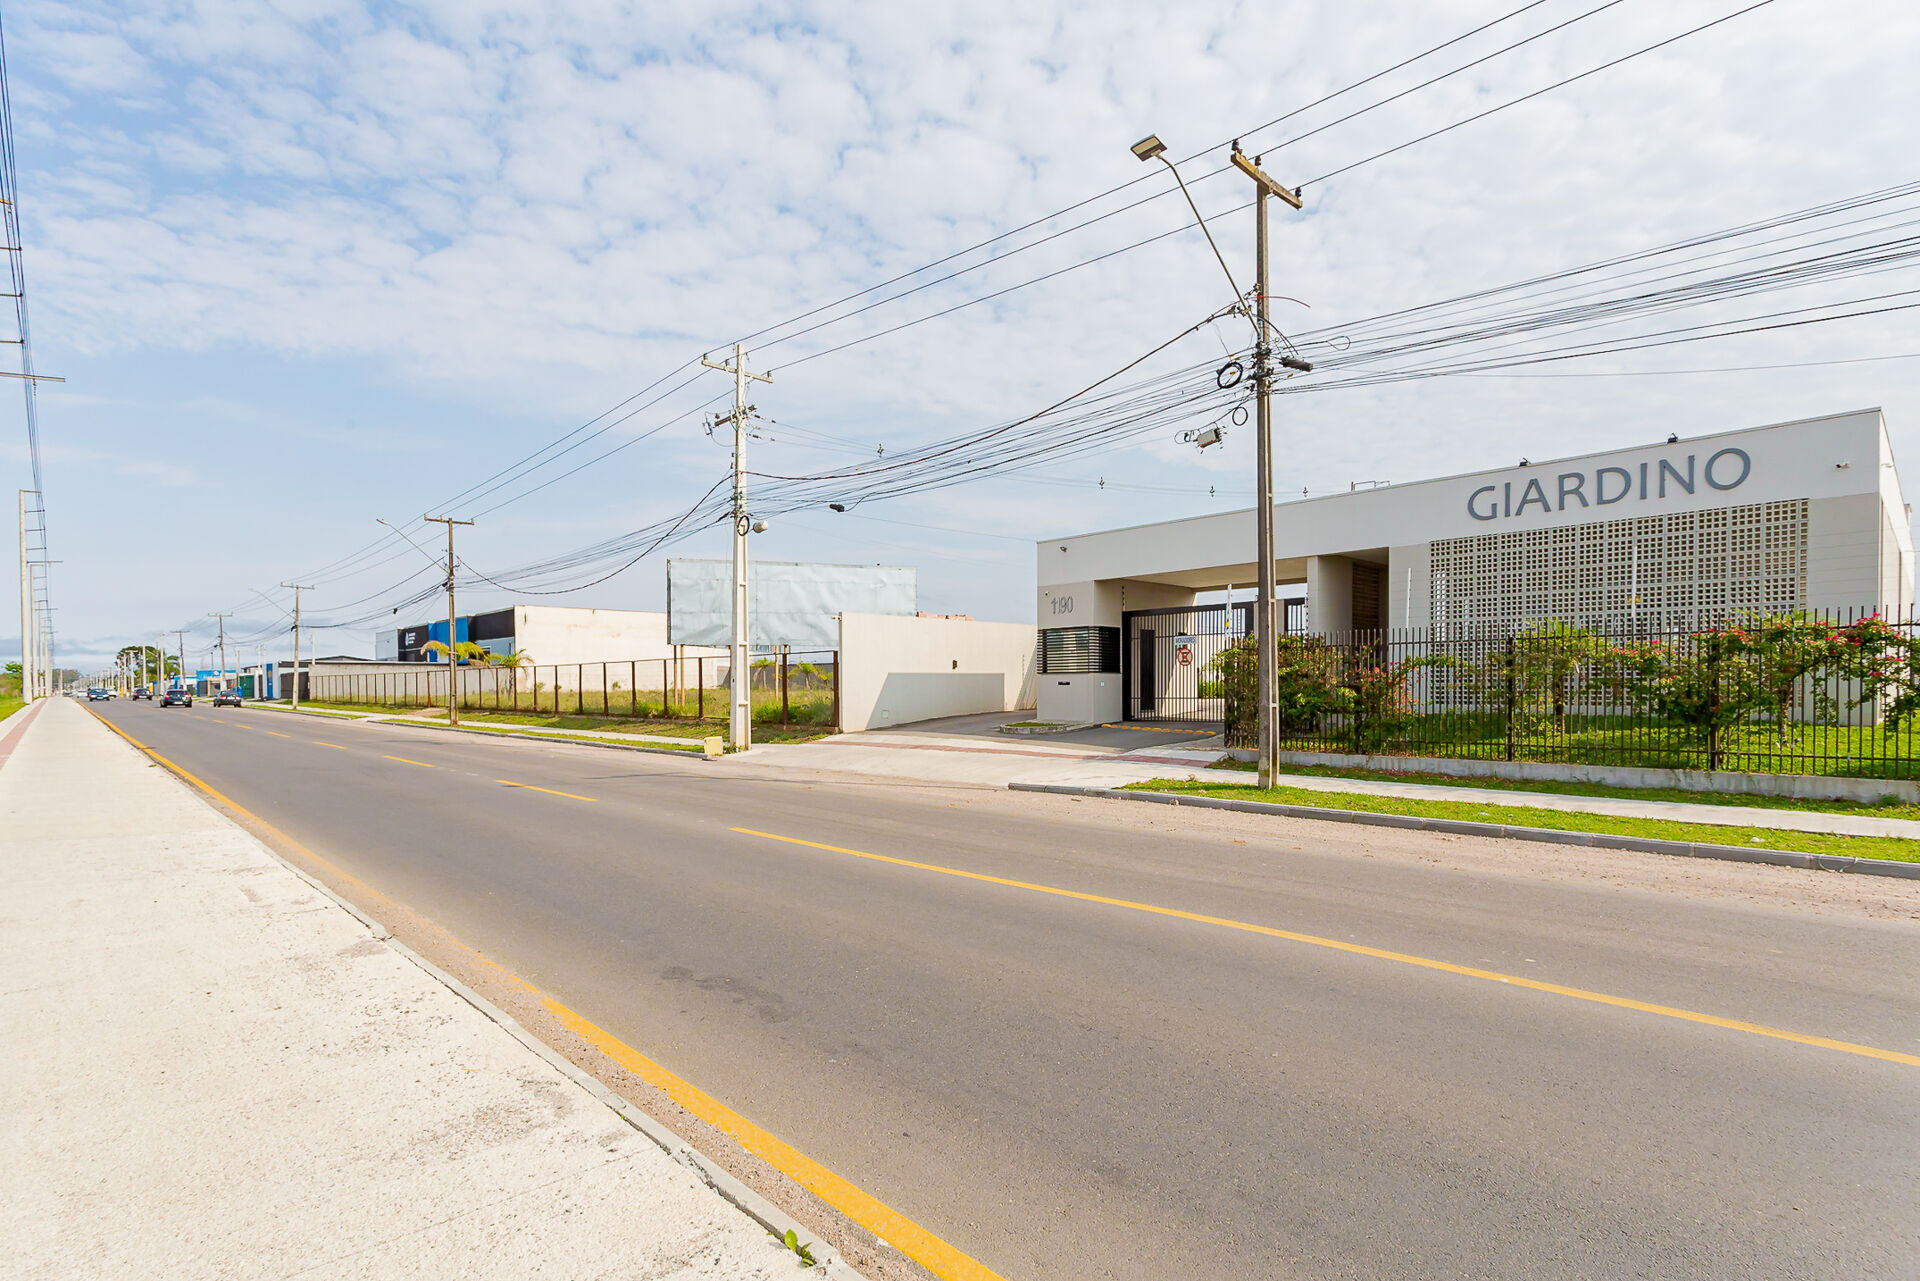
point(536, 208)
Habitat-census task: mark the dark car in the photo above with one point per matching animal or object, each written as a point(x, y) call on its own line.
point(177, 698)
point(95, 694)
point(226, 698)
point(143, 692)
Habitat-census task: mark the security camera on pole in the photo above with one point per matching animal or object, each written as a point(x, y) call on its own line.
point(739, 673)
point(1151, 148)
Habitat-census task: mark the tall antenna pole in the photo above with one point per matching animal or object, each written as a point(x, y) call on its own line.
point(296, 641)
point(453, 634)
point(739, 671)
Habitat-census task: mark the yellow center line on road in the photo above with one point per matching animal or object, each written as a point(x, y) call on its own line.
point(335, 746)
point(276, 733)
point(876, 1216)
point(507, 782)
point(404, 761)
point(1379, 954)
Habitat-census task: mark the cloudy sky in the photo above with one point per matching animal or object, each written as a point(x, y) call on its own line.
point(308, 263)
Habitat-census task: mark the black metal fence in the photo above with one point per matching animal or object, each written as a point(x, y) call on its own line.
point(1806, 692)
point(787, 688)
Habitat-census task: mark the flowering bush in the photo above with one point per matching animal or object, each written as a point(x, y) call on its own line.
point(1377, 702)
point(1305, 684)
point(1885, 660)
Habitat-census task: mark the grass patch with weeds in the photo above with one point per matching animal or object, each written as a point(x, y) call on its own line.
point(695, 729)
point(1886, 807)
point(1897, 849)
point(511, 732)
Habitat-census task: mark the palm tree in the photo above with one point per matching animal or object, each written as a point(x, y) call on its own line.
point(464, 653)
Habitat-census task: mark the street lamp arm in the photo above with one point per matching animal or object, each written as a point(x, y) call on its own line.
point(1201, 218)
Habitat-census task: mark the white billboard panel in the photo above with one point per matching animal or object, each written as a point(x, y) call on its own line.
point(788, 603)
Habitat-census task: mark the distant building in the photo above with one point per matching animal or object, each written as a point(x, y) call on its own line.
point(548, 633)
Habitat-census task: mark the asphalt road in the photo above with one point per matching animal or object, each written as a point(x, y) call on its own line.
point(1066, 1088)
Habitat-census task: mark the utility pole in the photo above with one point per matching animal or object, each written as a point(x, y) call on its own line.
point(1263, 615)
point(739, 673)
point(222, 620)
point(180, 677)
point(29, 638)
point(296, 642)
point(453, 627)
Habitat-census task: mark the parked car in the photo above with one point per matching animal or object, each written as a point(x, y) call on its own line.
point(226, 698)
point(182, 697)
point(95, 694)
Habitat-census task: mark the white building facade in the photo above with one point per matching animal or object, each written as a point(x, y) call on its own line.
point(1799, 515)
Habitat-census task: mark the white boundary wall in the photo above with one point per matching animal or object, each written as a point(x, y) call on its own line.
point(896, 670)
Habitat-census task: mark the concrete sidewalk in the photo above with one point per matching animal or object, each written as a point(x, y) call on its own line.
point(929, 758)
point(215, 1070)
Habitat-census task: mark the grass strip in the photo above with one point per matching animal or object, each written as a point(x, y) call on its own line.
point(1895, 848)
point(509, 732)
point(676, 728)
point(1886, 807)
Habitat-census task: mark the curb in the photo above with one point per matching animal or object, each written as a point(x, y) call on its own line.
point(682, 753)
point(1462, 827)
point(730, 1189)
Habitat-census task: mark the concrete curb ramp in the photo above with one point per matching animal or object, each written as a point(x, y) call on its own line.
point(1462, 827)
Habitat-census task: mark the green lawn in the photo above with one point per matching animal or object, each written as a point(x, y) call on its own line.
point(1857, 751)
point(1885, 847)
point(1887, 807)
point(9, 704)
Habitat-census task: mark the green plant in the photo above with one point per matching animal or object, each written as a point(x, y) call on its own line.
point(803, 1251)
point(463, 653)
point(1886, 662)
point(1305, 684)
point(1377, 702)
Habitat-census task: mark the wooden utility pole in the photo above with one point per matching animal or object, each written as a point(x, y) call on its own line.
point(453, 634)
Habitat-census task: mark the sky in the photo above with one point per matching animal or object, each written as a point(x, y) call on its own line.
point(308, 264)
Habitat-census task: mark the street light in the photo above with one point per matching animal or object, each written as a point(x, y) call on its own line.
point(1151, 148)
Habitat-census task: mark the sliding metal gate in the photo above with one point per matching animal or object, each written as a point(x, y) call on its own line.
point(1164, 657)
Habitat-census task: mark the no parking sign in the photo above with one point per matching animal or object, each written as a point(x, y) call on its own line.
point(1183, 650)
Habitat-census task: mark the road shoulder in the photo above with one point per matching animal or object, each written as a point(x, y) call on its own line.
point(249, 1073)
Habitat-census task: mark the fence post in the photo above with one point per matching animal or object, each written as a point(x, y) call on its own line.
point(1713, 708)
point(1512, 694)
point(783, 687)
point(700, 675)
point(605, 708)
point(836, 690)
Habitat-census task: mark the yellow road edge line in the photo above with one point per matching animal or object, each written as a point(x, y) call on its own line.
point(335, 746)
point(548, 790)
point(404, 761)
point(912, 1240)
point(923, 1247)
point(1379, 954)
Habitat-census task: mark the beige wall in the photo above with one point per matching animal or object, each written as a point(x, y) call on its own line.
point(896, 670)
